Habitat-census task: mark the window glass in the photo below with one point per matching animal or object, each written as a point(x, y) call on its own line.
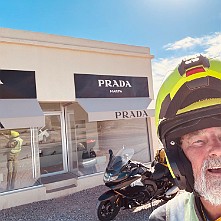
point(89, 142)
point(86, 138)
point(94, 139)
point(18, 159)
point(130, 133)
point(50, 145)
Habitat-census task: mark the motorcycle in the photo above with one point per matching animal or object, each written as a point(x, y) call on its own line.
point(132, 184)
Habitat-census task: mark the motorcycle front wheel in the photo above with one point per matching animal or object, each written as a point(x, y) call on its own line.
point(108, 210)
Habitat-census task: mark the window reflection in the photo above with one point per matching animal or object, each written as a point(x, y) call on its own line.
point(86, 139)
point(130, 133)
point(94, 139)
point(89, 142)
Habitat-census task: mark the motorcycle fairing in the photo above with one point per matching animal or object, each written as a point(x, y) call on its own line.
point(123, 183)
point(109, 195)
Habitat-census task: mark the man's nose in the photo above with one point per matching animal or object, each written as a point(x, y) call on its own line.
point(215, 146)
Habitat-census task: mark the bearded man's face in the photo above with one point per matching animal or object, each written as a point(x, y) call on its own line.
point(203, 149)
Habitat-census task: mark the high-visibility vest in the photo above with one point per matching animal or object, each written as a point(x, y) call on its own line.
point(181, 208)
point(17, 148)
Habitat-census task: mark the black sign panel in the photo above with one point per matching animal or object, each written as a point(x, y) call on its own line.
point(17, 84)
point(105, 86)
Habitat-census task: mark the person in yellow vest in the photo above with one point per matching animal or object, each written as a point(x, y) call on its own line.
point(188, 120)
point(15, 145)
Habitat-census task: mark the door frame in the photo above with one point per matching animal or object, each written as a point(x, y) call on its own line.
point(63, 142)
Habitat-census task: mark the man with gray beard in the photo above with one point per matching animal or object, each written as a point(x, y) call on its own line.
point(208, 186)
point(188, 120)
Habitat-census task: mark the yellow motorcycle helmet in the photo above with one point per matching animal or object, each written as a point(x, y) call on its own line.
point(188, 100)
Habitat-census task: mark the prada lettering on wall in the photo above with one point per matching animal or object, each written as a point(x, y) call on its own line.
point(16, 84)
point(131, 114)
point(105, 86)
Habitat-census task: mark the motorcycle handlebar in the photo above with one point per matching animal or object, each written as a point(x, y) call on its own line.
point(138, 167)
point(136, 164)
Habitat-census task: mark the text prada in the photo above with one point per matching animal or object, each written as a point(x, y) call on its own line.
point(113, 83)
point(131, 114)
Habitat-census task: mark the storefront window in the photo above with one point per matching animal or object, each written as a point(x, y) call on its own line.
point(130, 133)
point(87, 145)
point(18, 159)
point(89, 142)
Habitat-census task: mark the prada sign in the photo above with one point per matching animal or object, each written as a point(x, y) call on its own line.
point(105, 86)
point(17, 84)
point(131, 114)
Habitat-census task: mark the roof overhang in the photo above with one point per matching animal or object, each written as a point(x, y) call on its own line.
point(100, 109)
point(20, 113)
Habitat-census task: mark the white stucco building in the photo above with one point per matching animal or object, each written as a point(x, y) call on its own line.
point(68, 97)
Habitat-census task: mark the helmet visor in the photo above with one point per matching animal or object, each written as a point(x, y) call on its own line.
point(190, 122)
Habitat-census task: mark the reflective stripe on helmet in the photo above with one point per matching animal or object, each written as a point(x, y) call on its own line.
point(169, 167)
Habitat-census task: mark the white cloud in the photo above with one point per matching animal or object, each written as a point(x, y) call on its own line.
point(211, 47)
point(161, 68)
point(187, 42)
point(214, 46)
point(206, 41)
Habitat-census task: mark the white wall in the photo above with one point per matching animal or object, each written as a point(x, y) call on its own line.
point(55, 59)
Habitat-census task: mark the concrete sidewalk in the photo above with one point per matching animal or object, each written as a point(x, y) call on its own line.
point(80, 206)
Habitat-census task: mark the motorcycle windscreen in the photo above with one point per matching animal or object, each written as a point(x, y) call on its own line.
point(121, 159)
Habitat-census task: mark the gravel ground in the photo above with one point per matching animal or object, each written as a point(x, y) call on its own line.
point(80, 206)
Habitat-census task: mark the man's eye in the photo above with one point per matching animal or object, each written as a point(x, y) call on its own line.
point(198, 141)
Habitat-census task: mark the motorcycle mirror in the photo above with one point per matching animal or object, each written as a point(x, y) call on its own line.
point(110, 152)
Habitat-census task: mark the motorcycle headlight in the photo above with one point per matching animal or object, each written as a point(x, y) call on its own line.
point(108, 177)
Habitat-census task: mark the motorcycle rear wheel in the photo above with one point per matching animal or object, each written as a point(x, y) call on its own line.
point(107, 210)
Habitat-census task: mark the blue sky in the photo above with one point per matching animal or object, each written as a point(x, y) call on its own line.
point(173, 29)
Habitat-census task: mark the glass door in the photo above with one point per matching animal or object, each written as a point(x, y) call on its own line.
point(52, 152)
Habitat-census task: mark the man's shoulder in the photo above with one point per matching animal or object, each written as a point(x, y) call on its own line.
point(158, 214)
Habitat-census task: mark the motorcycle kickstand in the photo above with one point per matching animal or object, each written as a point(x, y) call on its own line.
point(151, 205)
